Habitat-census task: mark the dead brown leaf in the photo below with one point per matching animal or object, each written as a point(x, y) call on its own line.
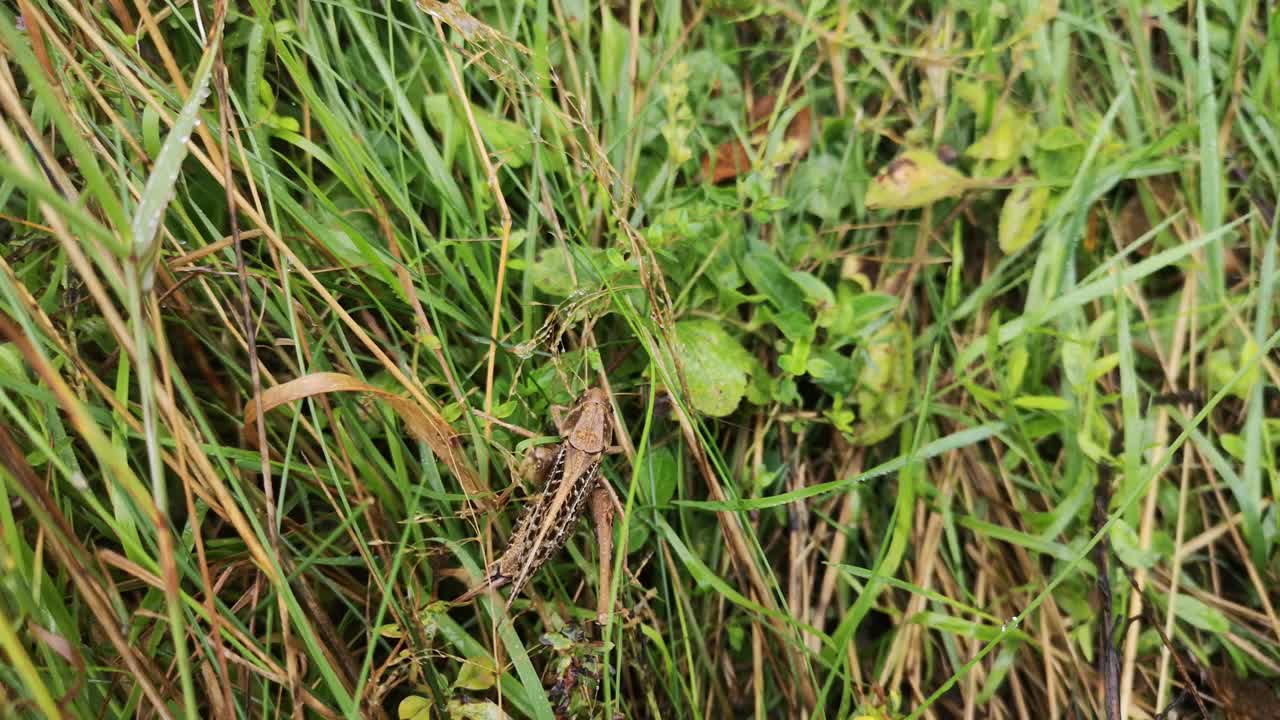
point(1133, 222)
point(731, 159)
point(424, 423)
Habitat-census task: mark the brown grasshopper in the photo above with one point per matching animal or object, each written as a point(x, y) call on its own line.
point(572, 476)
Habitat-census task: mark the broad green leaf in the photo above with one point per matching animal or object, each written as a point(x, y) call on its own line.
point(855, 310)
point(1021, 216)
point(414, 707)
point(885, 384)
point(914, 179)
point(1058, 155)
point(796, 360)
point(816, 187)
point(816, 292)
point(775, 281)
point(715, 366)
point(1195, 612)
point(1233, 445)
point(1223, 365)
point(1018, 537)
point(11, 363)
point(510, 143)
point(1012, 133)
point(477, 673)
point(550, 270)
point(973, 94)
point(950, 624)
point(656, 472)
point(483, 710)
point(1128, 547)
point(798, 326)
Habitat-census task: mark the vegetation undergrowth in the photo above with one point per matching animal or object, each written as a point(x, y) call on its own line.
point(940, 339)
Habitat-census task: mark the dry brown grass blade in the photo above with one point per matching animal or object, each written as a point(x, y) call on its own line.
point(423, 422)
point(68, 553)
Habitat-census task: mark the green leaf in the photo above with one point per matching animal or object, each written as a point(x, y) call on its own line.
point(510, 143)
point(815, 186)
point(1050, 403)
point(550, 270)
point(1223, 364)
point(1233, 445)
point(796, 360)
point(1058, 155)
point(1012, 133)
point(999, 671)
point(774, 280)
point(483, 710)
point(12, 365)
point(1021, 216)
point(1202, 616)
point(885, 384)
point(656, 472)
point(1016, 366)
point(973, 94)
point(796, 326)
point(914, 179)
point(715, 366)
point(414, 707)
point(478, 673)
point(1103, 365)
point(1129, 548)
point(816, 292)
point(855, 310)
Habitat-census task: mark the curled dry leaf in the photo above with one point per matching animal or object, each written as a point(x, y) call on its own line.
point(423, 422)
point(731, 159)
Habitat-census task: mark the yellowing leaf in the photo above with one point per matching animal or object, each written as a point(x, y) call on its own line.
point(914, 179)
point(885, 384)
point(1021, 216)
point(484, 710)
point(414, 707)
point(1012, 130)
point(1222, 368)
point(478, 673)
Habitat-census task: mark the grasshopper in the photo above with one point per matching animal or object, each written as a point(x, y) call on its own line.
point(571, 477)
